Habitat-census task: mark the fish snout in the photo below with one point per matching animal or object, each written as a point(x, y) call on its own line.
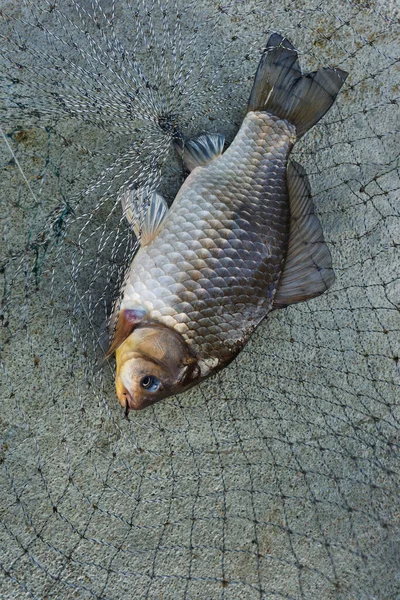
point(128, 401)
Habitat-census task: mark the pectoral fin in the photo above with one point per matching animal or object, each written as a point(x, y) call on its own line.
point(128, 319)
point(199, 151)
point(155, 215)
point(308, 269)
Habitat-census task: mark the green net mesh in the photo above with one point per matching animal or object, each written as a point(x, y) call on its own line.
point(277, 478)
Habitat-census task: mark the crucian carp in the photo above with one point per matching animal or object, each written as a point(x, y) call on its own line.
point(240, 240)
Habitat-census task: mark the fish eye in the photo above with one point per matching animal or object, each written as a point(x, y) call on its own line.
point(150, 383)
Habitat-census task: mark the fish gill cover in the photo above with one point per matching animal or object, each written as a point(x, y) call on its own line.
point(278, 478)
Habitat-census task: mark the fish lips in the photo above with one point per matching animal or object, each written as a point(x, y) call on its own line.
point(139, 403)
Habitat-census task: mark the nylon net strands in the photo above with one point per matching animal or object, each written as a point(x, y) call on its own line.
point(277, 478)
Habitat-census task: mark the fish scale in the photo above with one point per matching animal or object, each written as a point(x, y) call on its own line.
point(211, 272)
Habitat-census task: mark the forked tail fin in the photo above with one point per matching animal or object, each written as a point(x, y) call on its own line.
point(281, 88)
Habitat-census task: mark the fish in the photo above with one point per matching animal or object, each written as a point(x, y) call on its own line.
point(240, 240)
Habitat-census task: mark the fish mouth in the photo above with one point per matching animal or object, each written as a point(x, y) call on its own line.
point(126, 401)
point(127, 409)
point(129, 403)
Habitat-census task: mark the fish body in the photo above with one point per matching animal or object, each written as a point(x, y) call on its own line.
point(212, 271)
point(240, 240)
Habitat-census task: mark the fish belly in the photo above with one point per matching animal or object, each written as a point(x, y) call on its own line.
point(212, 271)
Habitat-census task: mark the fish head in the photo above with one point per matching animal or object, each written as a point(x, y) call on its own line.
point(154, 362)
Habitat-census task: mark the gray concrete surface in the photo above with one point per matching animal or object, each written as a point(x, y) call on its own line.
point(278, 478)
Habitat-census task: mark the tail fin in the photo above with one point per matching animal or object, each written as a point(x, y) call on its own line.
point(280, 88)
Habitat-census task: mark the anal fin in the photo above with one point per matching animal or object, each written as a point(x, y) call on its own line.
point(308, 269)
point(199, 151)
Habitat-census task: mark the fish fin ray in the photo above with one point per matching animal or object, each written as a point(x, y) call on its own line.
point(128, 319)
point(281, 88)
point(154, 219)
point(198, 152)
point(308, 268)
point(155, 213)
point(127, 204)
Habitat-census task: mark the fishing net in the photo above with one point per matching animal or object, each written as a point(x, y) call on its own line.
point(277, 478)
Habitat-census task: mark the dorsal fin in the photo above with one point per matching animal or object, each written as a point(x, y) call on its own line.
point(308, 269)
point(199, 151)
